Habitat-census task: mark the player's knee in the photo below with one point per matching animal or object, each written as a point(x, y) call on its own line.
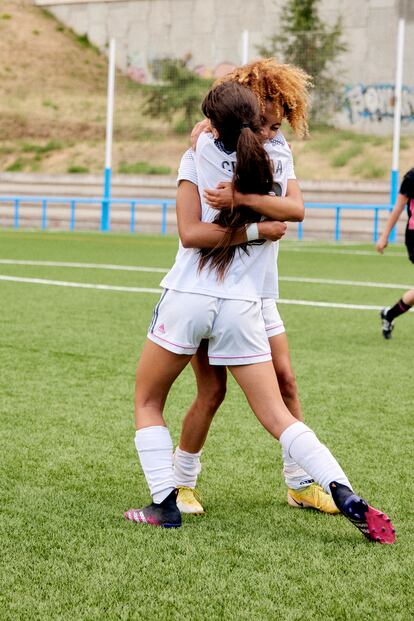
point(287, 385)
point(149, 400)
point(212, 398)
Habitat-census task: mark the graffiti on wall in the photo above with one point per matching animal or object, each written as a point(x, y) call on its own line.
point(375, 102)
point(136, 70)
point(150, 71)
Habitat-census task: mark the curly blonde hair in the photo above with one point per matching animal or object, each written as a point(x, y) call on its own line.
point(285, 86)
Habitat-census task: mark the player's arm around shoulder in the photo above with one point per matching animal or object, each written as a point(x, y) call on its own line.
point(197, 234)
point(289, 208)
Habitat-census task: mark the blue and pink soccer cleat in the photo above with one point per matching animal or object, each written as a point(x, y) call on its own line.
point(372, 523)
point(166, 514)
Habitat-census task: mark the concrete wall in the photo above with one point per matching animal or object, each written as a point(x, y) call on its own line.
point(211, 31)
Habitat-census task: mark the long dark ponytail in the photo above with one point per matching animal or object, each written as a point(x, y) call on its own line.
point(234, 112)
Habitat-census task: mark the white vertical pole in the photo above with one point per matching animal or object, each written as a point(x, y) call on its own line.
point(397, 119)
point(397, 106)
point(245, 47)
point(110, 104)
point(105, 219)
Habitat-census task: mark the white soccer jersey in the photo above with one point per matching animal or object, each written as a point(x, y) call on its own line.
point(187, 170)
point(265, 266)
point(247, 277)
point(279, 153)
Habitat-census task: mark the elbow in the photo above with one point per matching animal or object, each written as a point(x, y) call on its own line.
point(301, 214)
point(187, 240)
point(298, 213)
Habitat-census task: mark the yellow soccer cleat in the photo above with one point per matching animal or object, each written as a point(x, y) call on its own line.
point(189, 501)
point(311, 497)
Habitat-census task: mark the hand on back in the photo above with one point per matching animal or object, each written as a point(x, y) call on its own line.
point(272, 230)
point(199, 128)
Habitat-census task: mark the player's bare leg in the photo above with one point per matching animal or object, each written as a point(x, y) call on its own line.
point(390, 313)
point(211, 390)
point(263, 395)
point(303, 492)
point(157, 370)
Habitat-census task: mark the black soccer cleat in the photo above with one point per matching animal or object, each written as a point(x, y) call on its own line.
point(372, 523)
point(166, 514)
point(387, 326)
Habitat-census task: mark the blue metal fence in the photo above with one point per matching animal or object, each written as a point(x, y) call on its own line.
point(165, 204)
point(73, 202)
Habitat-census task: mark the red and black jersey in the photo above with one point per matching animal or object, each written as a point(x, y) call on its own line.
point(407, 189)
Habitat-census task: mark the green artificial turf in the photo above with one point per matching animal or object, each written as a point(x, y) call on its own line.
point(68, 466)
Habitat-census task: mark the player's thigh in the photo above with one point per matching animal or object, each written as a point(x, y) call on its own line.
point(157, 370)
point(282, 363)
point(211, 380)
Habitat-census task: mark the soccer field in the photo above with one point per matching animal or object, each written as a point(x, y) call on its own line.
point(72, 327)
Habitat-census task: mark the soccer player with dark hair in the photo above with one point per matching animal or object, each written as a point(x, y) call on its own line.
point(405, 198)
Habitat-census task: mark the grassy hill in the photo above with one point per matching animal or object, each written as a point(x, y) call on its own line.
point(53, 107)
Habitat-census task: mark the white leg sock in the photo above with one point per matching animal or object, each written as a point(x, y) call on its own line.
point(155, 452)
point(187, 467)
point(295, 476)
point(302, 445)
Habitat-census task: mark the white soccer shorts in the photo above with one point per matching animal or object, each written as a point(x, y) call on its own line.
point(273, 321)
point(234, 328)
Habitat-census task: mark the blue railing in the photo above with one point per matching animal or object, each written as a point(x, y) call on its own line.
point(73, 202)
point(339, 207)
point(164, 204)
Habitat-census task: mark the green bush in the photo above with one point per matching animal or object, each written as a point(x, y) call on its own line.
point(52, 145)
point(369, 170)
point(343, 157)
point(77, 169)
point(178, 96)
point(143, 168)
point(16, 166)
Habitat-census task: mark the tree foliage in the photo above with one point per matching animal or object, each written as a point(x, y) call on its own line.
point(303, 39)
point(178, 95)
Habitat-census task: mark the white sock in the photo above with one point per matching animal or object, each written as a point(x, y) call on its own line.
point(155, 452)
point(187, 467)
point(295, 476)
point(303, 446)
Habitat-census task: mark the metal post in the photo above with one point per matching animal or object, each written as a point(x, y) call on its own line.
point(337, 223)
point(375, 231)
point(132, 223)
point(164, 219)
point(105, 216)
point(397, 111)
point(72, 215)
point(44, 214)
point(16, 213)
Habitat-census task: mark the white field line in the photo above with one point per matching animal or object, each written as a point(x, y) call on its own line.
point(98, 266)
point(79, 285)
point(163, 270)
point(365, 253)
point(351, 283)
point(82, 285)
